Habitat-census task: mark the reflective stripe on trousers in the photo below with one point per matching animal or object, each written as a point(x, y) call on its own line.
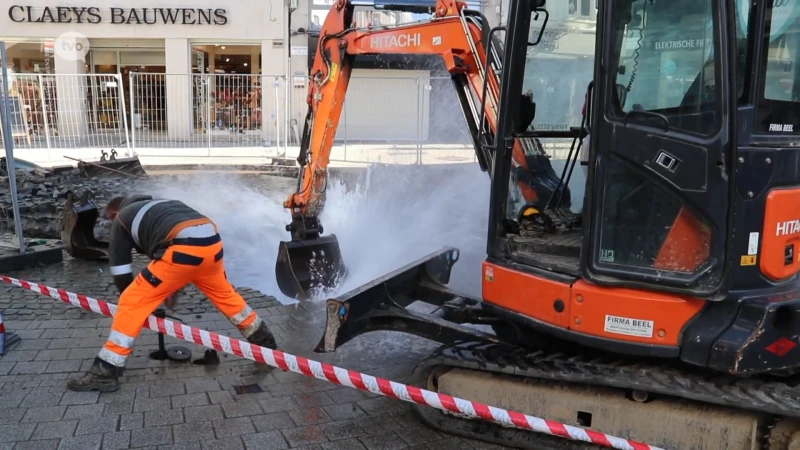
point(117, 349)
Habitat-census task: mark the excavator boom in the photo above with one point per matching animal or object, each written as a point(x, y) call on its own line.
point(311, 262)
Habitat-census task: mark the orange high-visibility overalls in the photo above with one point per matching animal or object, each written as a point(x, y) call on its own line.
point(186, 248)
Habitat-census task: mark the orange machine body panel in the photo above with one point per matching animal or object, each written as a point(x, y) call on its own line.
point(618, 314)
point(526, 294)
point(781, 241)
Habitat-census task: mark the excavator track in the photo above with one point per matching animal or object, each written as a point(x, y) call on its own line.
point(774, 399)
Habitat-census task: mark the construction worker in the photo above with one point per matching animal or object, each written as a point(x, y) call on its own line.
point(185, 247)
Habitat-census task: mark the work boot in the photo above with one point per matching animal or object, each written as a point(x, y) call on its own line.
point(102, 377)
point(263, 337)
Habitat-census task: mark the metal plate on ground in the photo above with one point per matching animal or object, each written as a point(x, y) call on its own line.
point(180, 354)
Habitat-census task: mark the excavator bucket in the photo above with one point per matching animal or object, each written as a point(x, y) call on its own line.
point(77, 232)
point(112, 166)
point(307, 267)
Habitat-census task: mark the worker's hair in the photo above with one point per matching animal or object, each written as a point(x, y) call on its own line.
point(114, 204)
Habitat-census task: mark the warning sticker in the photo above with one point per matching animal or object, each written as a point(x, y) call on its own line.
point(628, 326)
point(749, 260)
point(488, 274)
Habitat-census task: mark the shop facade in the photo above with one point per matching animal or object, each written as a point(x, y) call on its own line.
point(188, 76)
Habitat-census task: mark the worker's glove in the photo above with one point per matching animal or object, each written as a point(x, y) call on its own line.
point(172, 300)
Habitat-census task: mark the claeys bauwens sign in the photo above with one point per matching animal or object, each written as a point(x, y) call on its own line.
point(117, 16)
point(784, 13)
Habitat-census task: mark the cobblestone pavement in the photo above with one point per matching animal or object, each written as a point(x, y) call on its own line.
point(170, 405)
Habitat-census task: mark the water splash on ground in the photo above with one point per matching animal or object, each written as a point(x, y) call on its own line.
point(396, 215)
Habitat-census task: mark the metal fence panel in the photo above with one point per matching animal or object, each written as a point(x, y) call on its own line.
point(205, 110)
point(69, 111)
point(391, 120)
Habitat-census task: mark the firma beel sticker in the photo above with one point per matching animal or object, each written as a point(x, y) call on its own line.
point(629, 326)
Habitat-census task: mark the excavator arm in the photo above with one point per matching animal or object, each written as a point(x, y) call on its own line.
point(459, 36)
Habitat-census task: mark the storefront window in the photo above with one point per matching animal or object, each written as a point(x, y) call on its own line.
point(227, 87)
point(30, 55)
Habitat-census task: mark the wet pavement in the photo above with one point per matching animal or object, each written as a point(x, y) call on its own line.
point(171, 405)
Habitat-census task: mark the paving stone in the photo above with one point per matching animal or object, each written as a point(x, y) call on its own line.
point(418, 435)
point(375, 424)
point(116, 440)
point(69, 365)
point(241, 408)
point(84, 411)
point(273, 421)
point(151, 404)
point(163, 417)
point(194, 399)
point(86, 442)
point(381, 405)
point(116, 407)
point(383, 441)
point(343, 444)
point(40, 398)
point(97, 425)
point(133, 421)
point(193, 431)
point(309, 416)
point(272, 440)
point(309, 435)
point(167, 388)
point(49, 444)
point(51, 355)
point(79, 398)
point(16, 432)
point(203, 413)
point(9, 416)
point(452, 443)
point(193, 445)
point(151, 436)
point(233, 443)
point(20, 355)
point(199, 385)
point(278, 404)
point(344, 411)
point(233, 427)
point(55, 430)
point(44, 414)
point(218, 397)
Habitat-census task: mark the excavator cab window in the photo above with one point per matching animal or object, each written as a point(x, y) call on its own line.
point(558, 69)
point(662, 139)
point(778, 109)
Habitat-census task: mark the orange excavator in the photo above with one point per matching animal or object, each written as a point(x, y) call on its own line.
point(666, 309)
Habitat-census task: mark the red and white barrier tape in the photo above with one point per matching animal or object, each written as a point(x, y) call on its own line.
point(337, 375)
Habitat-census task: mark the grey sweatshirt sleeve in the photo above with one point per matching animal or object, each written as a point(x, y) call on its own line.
point(119, 255)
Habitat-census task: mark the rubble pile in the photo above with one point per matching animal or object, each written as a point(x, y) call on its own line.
point(42, 194)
